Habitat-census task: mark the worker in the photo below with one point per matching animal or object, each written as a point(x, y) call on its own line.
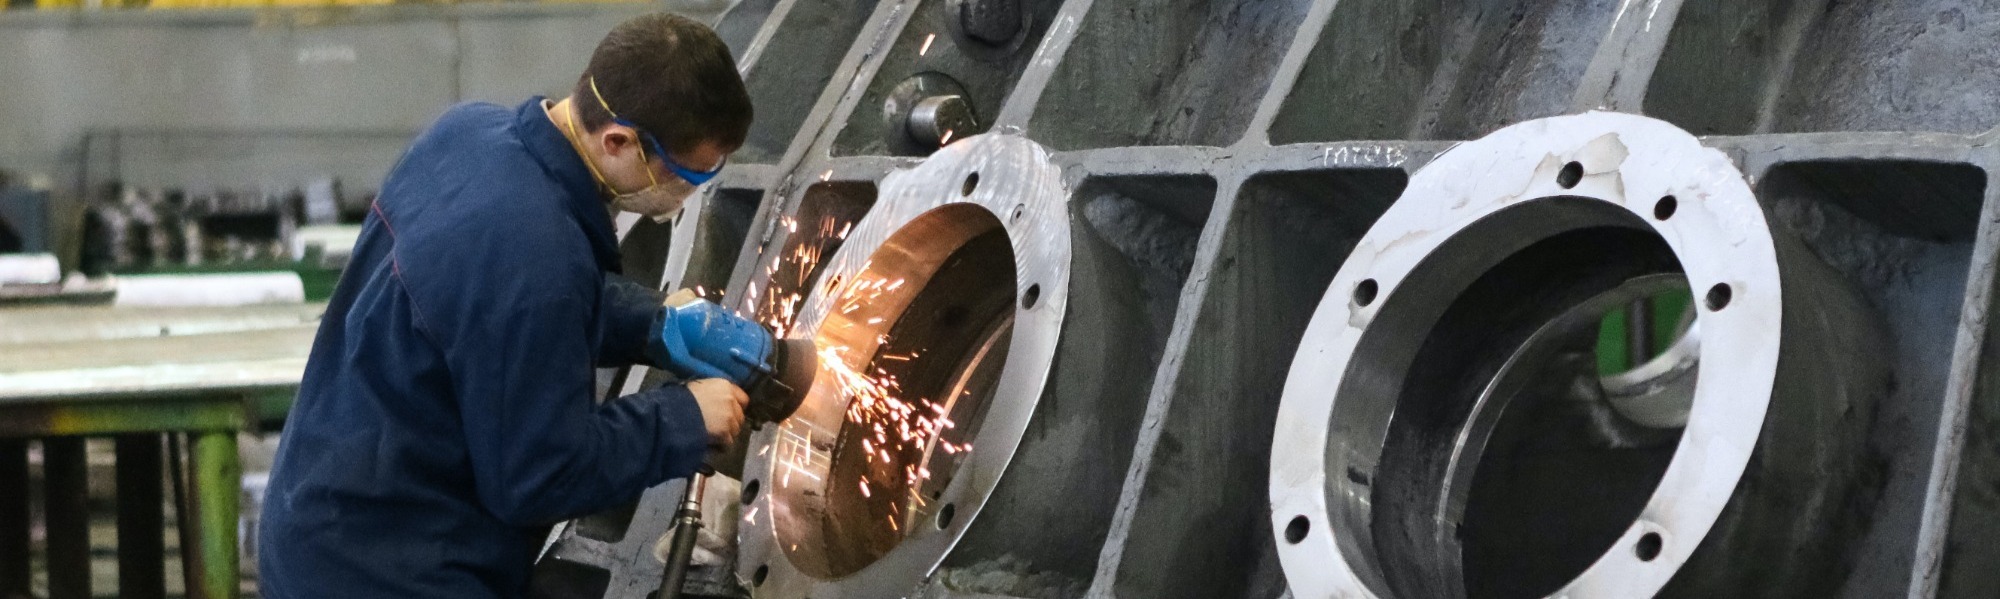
point(447, 417)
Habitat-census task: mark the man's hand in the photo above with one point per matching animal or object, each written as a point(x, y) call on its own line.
point(722, 406)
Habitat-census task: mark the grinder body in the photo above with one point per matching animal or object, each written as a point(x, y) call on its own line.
point(702, 340)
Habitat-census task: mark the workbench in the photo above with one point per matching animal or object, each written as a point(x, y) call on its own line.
point(188, 379)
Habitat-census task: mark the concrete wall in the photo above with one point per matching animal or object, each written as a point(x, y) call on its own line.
point(272, 97)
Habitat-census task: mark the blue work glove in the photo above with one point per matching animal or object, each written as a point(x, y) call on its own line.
point(696, 339)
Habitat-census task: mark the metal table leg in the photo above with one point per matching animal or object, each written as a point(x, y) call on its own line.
point(141, 550)
point(14, 574)
point(65, 498)
point(218, 481)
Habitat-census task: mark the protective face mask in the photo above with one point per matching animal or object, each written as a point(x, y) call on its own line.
point(659, 202)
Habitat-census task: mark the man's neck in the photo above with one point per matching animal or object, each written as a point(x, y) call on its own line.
point(562, 114)
point(559, 114)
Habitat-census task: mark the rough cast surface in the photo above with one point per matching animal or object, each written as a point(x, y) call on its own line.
point(1221, 159)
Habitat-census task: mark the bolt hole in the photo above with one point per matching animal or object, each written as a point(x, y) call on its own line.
point(750, 490)
point(1665, 208)
point(1570, 175)
point(1648, 547)
point(1718, 297)
point(757, 579)
point(1364, 293)
point(1020, 210)
point(1033, 295)
point(945, 515)
point(971, 183)
point(1296, 531)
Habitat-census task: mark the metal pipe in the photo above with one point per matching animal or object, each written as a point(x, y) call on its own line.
point(216, 488)
point(687, 528)
point(14, 540)
point(141, 552)
point(66, 508)
point(1638, 332)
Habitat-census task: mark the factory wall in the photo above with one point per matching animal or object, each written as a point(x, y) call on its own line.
point(272, 98)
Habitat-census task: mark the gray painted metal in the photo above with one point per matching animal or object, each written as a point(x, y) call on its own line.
point(1225, 158)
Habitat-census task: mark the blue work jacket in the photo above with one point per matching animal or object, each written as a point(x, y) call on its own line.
point(447, 418)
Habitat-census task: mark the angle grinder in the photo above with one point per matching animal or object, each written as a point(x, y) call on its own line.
point(703, 340)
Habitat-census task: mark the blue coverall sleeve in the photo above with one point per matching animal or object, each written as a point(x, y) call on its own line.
point(541, 452)
point(628, 317)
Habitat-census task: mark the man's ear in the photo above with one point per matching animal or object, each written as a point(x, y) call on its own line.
point(616, 140)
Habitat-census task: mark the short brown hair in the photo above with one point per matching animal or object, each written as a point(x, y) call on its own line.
point(671, 76)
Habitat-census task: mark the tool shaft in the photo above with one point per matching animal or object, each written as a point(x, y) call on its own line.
point(687, 527)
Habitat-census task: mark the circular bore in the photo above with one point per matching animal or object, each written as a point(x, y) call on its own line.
point(1664, 209)
point(1648, 547)
point(918, 298)
point(1296, 531)
point(1717, 297)
point(1029, 298)
point(913, 354)
point(1570, 175)
point(1398, 410)
point(1364, 292)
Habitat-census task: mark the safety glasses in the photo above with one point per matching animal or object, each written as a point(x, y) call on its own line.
point(693, 177)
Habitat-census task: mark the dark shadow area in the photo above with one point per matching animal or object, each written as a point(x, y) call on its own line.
point(1900, 232)
point(718, 240)
point(642, 253)
point(558, 579)
point(1933, 201)
point(1200, 529)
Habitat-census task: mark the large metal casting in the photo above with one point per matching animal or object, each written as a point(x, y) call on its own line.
point(1209, 360)
point(1216, 370)
point(1439, 439)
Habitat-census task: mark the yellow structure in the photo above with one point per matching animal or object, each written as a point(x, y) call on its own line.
point(116, 4)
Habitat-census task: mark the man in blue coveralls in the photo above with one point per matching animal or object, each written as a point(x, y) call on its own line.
point(446, 419)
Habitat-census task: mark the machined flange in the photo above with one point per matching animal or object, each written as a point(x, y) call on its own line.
point(962, 269)
point(1441, 433)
